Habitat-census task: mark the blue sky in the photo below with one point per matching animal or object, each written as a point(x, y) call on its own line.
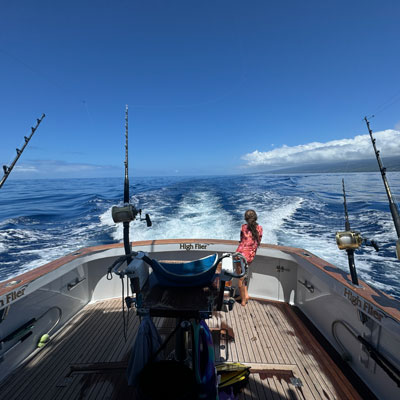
point(213, 87)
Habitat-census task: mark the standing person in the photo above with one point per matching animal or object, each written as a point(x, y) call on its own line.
point(250, 238)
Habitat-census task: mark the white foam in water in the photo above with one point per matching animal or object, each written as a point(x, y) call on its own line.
point(306, 218)
point(273, 214)
point(50, 248)
point(317, 239)
point(304, 234)
point(198, 215)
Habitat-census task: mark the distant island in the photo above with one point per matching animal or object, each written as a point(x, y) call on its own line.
point(369, 165)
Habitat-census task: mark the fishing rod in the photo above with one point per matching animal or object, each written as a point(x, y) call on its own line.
point(7, 170)
point(392, 205)
point(350, 240)
point(127, 244)
point(127, 212)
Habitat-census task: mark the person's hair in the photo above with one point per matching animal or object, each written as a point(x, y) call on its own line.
point(251, 218)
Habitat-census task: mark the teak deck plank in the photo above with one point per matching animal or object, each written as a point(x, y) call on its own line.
point(265, 336)
point(288, 355)
point(294, 353)
point(268, 336)
point(109, 319)
point(308, 359)
point(320, 383)
point(299, 352)
point(45, 365)
point(234, 351)
point(252, 334)
point(91, 353)
point(101, 353)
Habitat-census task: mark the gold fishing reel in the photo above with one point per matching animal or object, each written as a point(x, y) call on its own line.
point(348, 240)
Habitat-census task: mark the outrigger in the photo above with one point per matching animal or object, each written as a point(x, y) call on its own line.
point(392, 204)
point(7, 169)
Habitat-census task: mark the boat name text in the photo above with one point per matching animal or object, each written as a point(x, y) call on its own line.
point(363, 305)
point(12, 296)
point(189, 246)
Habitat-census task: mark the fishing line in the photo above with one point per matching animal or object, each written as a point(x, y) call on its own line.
point(216, 99)
point(386, 104)
point(389, 102)
point(123, 308)
point(127, 293)
point(88, 113)
point(35, 71)
point(43, 76)
point(237, 82)
point(389, 105)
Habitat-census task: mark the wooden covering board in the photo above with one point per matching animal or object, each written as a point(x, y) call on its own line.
point(87, 359)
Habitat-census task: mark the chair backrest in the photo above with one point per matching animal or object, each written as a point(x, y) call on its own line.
point(186, 274)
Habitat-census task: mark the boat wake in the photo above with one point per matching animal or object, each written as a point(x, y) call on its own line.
point(207, 215)
point(301, 211)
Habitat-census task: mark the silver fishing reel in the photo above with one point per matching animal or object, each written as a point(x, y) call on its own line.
point(128, 213)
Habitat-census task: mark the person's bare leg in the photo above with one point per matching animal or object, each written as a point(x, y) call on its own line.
point(240, 286)
point(246, 293)
point(243, 291)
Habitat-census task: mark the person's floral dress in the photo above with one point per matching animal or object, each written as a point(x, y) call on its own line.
point(248, 245)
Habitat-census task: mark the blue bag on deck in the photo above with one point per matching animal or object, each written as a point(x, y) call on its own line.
point(147, 343)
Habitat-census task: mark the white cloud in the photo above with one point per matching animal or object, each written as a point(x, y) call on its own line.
point(57, 168)
point(358, 148)
point(25, 168)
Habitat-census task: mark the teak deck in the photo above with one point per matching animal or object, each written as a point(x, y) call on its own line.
point(87, 359)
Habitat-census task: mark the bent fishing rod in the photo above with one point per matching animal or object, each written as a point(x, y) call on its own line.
point(7, 170)
point(392, 204)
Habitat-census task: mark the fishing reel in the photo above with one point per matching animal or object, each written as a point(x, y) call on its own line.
point(128, 213)
point(350, 240)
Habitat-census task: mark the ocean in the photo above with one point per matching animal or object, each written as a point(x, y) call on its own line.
point(41, 220)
